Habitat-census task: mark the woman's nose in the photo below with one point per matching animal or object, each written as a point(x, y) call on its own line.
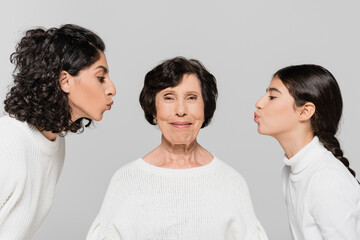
point(259, 103)
point(181, 109)
point(111, 90)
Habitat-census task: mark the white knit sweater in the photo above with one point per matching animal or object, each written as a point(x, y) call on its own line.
point(322, 197)
point(148, 202)
point(30, 166)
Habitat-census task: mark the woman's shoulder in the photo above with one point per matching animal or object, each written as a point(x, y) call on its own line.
point(7, 122)
point(12, 150)
point(127, 170)
point(13, 137)
point(11, 128)
point(228, 172)
point(333, 179)
point(329, 167)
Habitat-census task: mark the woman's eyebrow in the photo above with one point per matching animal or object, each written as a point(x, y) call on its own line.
point(273, 89)
point(167, 91)
point(192, 92)
point(103, 68)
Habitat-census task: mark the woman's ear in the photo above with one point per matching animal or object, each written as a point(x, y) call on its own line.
point(307, 111)
point(64, 80)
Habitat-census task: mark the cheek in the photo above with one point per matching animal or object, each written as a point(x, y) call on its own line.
point(89, 98)
point(197, 112)
point(278, 118)
point(93, 93)
point(164, 111)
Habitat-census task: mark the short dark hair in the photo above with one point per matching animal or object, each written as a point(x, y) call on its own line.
point(40, 56)
point(169, 74)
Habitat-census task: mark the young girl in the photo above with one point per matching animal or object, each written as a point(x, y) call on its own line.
point(301, 109)
point(60, 78)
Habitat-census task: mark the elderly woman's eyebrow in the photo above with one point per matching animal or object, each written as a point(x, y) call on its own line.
point(192, 92)
point(167, 91)
point(273, 89)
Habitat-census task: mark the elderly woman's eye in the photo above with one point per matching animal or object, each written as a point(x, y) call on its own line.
point(192, 97)
point(167, 97)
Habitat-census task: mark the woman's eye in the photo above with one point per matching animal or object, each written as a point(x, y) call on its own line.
point(271, 97)
point(168, 98)
point(101, 79)
point(192, 97)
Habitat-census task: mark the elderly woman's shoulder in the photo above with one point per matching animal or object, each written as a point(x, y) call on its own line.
point(230, 173)
point(128, 171)
point(129, 166)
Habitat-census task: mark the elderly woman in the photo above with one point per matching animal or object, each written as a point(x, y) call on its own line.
point(179, 190)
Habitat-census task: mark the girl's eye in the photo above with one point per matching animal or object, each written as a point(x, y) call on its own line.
point(101, 79)
point(271, 97)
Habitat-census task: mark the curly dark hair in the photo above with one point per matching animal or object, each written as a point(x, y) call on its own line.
point(40, 56)
point(314, 83)
point(169, 74)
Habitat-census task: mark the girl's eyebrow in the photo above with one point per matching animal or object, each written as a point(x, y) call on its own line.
point(273, 89)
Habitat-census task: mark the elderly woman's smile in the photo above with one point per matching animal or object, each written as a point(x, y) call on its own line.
point(181, 125)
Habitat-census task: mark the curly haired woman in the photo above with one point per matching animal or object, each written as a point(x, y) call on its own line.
point(61, 77)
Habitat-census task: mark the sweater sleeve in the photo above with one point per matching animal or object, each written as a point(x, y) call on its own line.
point(99, 231)
point(257, 229)
point(11, 182)
point(7, 184)
point(95, 232)
point(260, 232)
point(249, 227)
point(103, 228)
point(332, 202)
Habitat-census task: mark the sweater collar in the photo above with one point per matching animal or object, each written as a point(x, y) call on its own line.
point(305, 156)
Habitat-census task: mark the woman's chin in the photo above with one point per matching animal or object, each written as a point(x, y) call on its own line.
point(97, 117)
point(262, 131)
point(181, 141)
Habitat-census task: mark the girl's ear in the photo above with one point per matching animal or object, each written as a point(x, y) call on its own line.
point(64, 80)
point(307, 111)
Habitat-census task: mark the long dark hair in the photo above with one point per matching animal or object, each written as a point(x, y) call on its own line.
point(313, 83)
point(40, 56)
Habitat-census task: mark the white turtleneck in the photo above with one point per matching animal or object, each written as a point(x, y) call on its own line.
point(30, 166)
point(322, 197)
point(211, 202)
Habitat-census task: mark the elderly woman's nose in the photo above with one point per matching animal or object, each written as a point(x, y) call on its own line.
point(181, 109)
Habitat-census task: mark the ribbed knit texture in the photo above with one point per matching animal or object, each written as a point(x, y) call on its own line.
point(148, 202)
point(322, 197)
point(30, 166)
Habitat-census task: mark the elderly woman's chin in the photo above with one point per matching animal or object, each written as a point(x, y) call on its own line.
point(179, 137)
point(181, 140)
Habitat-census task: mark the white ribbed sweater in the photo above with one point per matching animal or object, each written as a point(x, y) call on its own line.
point(322, 197)
point(148, 202)
point(30, 166)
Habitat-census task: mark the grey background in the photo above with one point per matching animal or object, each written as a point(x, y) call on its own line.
point(241, 42)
